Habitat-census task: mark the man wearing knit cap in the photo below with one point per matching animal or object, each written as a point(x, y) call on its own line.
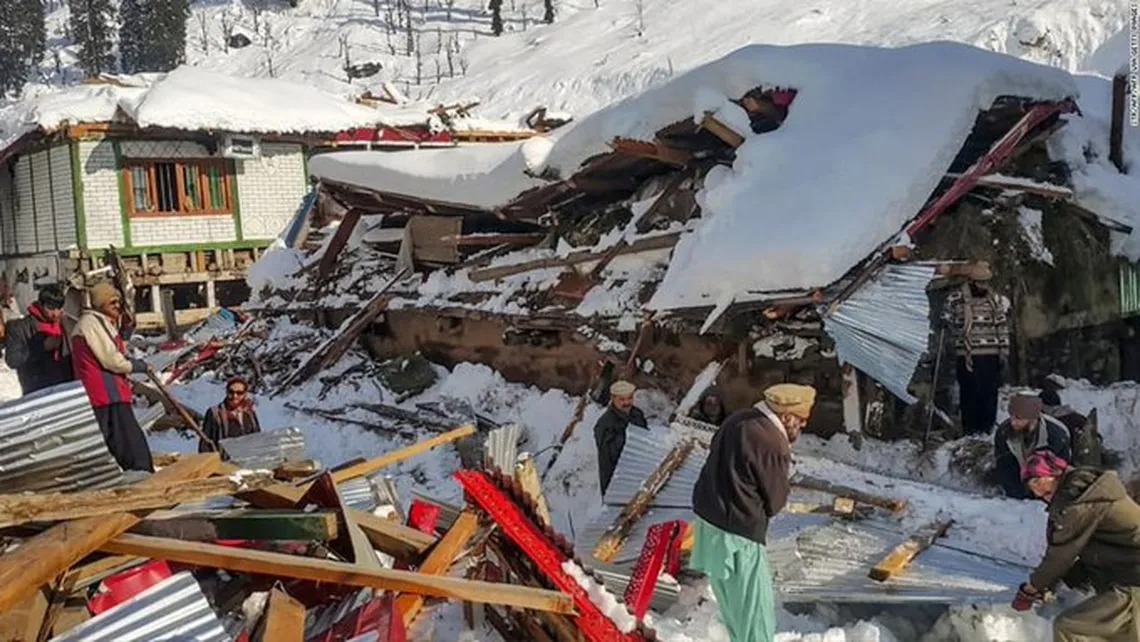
point(1027, 430)
point(743, 485)
point(609, 432)
point(98, 355)
point(1093, 537)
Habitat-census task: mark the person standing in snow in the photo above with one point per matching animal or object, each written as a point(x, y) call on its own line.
point(36, 349)
point(1093, 536)
point(609, 432)
point(101, 365)
point(742, 486)
point(233, 417)
point(1084, 438)
point(979, 319)
point(1028, 430)
point(709, 407)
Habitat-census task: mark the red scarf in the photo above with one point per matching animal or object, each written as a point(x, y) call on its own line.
point(47, 328)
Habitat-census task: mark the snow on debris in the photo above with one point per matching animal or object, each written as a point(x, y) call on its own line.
point(601, 598)
point(192, 98)
point(805, 203)
point(1031, 222)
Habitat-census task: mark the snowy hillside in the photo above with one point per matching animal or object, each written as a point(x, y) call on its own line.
point(597, 51)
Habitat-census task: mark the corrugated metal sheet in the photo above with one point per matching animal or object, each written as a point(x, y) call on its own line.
point(266, 450)
point(52, 443)
point(1129, 289)
point(368, 493)
point(448, 513)
point(219, 324)
point(883, 329)
point(174, 610)
point(319, 620)
point(149, 415)
point(644, 451)
point(501, 448)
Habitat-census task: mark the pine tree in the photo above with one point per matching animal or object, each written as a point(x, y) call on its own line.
point(152, 34)
point(496, 7)
point(22, 42)
point(93, 30)
point(134, 20)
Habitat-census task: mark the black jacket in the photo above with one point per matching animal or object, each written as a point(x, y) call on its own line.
point(36, 367)
point(1049, 434)
point(744, 482)
point(221, 424)
point(609, 436)
point(698, 411)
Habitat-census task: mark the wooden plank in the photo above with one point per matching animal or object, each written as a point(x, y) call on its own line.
point(284, 619)
point(50, 553)
point(445, 553)
point(372, 465)
point(83, 576)
point(54, 507)
point(721, 131)
point(399, 541)
point(613, 539)
point(258, 525)
point(898, 559)
point(336, 245)
point(526, 474)
point(814, 483)
point(333, 572)
point(429, 238)
point(658, 242)
point(651, 150)
point(22, 622)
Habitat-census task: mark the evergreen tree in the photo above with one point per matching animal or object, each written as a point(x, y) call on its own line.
point(22, 42)
point(93, 29)
point(152, 34)
point(548, 11)
point(496, 7)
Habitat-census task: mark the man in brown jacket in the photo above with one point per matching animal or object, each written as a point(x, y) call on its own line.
point(1094, 544)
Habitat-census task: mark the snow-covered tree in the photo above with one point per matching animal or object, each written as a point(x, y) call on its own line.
point(22, 42)
point(496, 8)
point(92, 27)
point(152, 34)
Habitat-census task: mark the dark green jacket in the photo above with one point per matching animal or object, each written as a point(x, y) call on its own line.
point(1093, 534)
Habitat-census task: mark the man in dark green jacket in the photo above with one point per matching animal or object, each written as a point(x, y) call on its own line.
point(1094, 544)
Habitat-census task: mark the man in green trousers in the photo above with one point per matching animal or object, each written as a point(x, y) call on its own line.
point(743, 485)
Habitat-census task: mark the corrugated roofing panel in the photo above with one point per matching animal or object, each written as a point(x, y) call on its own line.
point(266, 450)
point(51, 442)
point(644, 451)
point(174, 610)
point(883, 329)
point(149, 415)
point(501, 448)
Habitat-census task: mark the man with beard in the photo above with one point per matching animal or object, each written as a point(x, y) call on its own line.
point(609, 432)
point(233, 417)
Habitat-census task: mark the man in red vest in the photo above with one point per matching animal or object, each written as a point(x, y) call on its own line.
point(98, 354)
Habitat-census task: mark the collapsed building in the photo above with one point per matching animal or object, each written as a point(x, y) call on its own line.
point(765, 214)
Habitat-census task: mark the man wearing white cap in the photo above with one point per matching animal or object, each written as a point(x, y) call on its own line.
point(743, 485)
point(609, 432)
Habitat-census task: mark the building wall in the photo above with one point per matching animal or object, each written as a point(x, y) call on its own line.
point(268, 191)
point(43, 216)
point(271, 188)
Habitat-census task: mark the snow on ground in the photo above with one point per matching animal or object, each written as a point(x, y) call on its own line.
point(9, 385)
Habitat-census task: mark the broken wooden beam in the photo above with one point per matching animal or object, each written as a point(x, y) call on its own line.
point(284, 619)
point(262, 525)
point(814, 483)
point(722, 131)
point(526, 474)
point(55, 507)
point(842, 506)
point(999, 181)
point(445, 553)
point(337, 243)
point(83, 576)
point(611, 542)
point(658, 242)
point(651, 150)
point(491, 240)
point(43, 557)
point(243, 560)
point(898, 559)
point(372, 465)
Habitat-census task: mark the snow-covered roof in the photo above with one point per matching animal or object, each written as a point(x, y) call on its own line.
point(869, 137)
point(190, 98)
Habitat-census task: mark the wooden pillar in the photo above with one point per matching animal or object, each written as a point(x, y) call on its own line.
point(1116, 132)
point(169, 316)
point(211, 294)
point(156, 298)
point(852, 408)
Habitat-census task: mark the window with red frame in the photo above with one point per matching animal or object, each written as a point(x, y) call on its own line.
point(169, 187)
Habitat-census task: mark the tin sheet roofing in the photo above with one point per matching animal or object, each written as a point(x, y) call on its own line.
point(266, 450)
point(53, 444)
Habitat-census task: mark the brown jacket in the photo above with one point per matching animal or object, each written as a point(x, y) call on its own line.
point(1093, 534)
point(744, 482)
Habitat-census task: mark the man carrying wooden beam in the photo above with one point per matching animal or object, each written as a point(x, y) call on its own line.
point(743, 485)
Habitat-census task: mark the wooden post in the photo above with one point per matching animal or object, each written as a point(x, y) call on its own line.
point(898, 559)
point(339, 573)
point(211, 293)
point(169, 318)
point(822, 485)
point(372, 465)
point(284, 619)
point(53, 551)
point(526, 474)
point(852, 407)
point(1116, 130)
point(438, 561)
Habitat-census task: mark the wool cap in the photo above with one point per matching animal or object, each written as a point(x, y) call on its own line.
point(1043, 463)
point(1025, 406)
point(103, 293)
point(790, 398)
point(622, 389)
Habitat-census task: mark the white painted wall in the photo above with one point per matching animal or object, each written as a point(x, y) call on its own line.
point(101, 209)
point(270, 189)
point(44, 216)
